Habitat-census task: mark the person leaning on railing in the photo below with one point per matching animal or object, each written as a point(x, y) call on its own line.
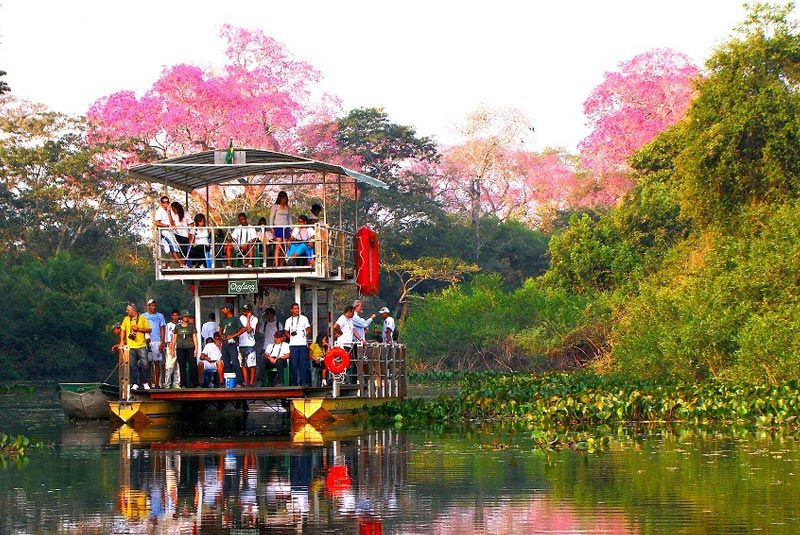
point(181, 229)
point(200, 239)
point(164, 222)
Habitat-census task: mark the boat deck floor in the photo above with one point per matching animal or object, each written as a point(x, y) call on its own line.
point(247, 393)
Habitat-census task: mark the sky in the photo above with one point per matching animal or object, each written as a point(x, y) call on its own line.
point(427, 63)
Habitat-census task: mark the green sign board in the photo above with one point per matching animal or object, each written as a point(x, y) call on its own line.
point(242, 287)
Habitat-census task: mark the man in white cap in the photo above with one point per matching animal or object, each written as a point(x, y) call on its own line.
point(388, 329)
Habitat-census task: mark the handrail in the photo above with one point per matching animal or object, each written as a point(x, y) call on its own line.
point(318, 248)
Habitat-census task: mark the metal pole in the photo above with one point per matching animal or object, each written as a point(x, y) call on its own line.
point(314, 312)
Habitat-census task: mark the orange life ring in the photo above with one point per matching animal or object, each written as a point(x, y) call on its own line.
point(337, 360)
point(367, 261)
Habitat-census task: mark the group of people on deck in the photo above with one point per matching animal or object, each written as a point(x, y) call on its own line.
point(187, 242)
point(169, 350)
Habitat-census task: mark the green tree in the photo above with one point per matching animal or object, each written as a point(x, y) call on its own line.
point(59, 194)
point(741, 141)
point(389, 152)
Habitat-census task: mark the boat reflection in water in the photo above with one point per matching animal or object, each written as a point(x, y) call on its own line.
point(310, 480)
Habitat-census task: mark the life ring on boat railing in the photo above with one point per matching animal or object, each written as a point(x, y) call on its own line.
point(337, 360)
point(367, 261)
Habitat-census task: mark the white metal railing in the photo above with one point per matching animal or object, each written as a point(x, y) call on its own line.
point(314, 248)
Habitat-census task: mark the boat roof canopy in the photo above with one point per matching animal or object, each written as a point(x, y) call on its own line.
point(193, 171)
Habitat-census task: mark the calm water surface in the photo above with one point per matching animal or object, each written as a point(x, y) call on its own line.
point(257, 475)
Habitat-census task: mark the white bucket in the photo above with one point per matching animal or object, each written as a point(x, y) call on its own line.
point(230, 380)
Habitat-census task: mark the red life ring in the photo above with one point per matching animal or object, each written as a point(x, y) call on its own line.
point(367, 261)
point(337, 360)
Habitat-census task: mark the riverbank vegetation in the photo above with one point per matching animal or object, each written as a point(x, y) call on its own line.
point(12, 449)
point(693, 275)
point(580, 410)
point(664, 249)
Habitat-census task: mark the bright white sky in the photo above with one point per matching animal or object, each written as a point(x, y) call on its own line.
point(426, 62)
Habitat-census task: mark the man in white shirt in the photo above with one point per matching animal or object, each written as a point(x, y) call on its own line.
point(244, 238)
point(210, 327)
point(247, 343)
point(276, 354)
point(360, 324)
point(172, 372)
point(211, 361)
point(164, 223)
point(344, 331)
point(387, 331)
point(270, 327)
point(298, 329)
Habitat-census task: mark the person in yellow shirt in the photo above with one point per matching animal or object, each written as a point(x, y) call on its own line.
point(133, 333)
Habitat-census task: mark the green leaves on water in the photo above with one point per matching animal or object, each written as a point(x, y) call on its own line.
point(566, 401)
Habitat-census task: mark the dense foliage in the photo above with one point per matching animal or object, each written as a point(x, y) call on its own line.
point(561, 399)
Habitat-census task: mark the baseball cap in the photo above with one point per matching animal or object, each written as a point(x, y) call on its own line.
point(247, 308)
point(384, 310)
point(228, 306)
point(151, 301)
point(185, 313)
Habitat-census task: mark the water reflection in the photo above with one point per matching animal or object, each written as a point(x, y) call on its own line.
point(259, 475)
point(211, 485)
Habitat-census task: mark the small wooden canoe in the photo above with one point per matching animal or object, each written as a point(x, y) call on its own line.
point(86, 401)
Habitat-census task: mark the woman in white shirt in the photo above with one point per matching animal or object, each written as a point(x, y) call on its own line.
point(280, 220)
point(181, 229)
point(200, 238)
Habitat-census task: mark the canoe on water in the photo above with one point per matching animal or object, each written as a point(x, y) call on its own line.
point(86, 401)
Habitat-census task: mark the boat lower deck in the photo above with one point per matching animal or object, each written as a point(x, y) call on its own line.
point(238, 394)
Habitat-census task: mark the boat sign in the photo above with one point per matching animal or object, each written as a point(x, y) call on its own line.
point(242, 287)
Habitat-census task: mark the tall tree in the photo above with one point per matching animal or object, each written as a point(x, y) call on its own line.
point(649, 93)
point(492, 172)
point(262, 98)
point(57, 192)
point(395, 154)
point(750, 154)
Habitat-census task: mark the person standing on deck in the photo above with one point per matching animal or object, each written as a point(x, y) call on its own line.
point(388, 328)
point(172, 374)
point(270, 327)
point(360, 324)
point(184, 345)
point(132, 332)
point(164, 223)
point(298, 329)
point(228, 326)
point(345, 335)
point(247, 343)
point(280, 219)
point(209, 328)
point(155, 342)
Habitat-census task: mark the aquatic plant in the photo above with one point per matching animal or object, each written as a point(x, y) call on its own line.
point(567, 400)
point(13, 449)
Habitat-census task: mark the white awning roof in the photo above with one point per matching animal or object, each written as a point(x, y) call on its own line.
point(198, 170)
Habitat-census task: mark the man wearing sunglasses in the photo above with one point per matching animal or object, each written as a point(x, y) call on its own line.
point(164, 223)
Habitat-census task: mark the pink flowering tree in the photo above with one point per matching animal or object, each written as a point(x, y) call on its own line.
point(262, 97)
point(492, 172)
point(650, 93)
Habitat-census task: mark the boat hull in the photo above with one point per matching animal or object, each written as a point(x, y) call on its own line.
point(86, 401)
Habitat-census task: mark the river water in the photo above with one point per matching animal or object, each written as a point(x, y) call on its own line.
point(256, 475)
